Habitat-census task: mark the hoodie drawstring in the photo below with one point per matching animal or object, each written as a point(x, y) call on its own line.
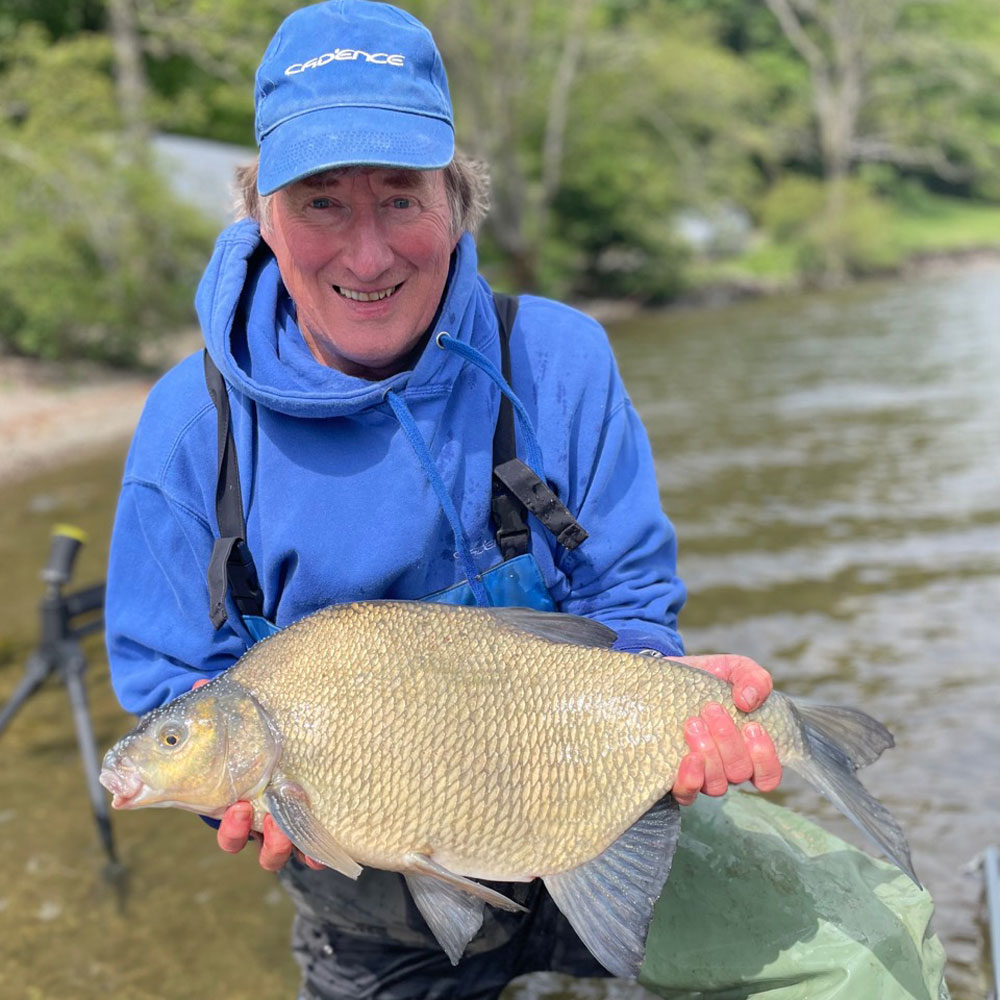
point(412, 432)
point(447, 342)
point(402, 413)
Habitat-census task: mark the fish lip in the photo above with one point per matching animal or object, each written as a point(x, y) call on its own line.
point(120, 777)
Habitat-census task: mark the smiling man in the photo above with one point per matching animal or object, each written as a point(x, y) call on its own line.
point(368, 421)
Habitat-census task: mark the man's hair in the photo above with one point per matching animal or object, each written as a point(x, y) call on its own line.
point(466, 181)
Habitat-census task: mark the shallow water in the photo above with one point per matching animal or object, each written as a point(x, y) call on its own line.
point(832, 465)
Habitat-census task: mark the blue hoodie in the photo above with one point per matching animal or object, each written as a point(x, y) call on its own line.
point(338, 506)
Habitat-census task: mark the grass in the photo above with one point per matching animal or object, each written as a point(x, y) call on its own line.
point(922, 225)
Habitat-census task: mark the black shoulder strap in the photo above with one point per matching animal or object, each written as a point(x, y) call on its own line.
point(516, 488)
point(231, 566)
point(512, 532)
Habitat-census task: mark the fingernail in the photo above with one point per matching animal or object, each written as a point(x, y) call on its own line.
point(750, 695)
point(752, 731)
point(696, 727)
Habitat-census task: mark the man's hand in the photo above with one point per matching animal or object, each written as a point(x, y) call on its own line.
point(234, 832)
point(275, 847)
point(721, 754)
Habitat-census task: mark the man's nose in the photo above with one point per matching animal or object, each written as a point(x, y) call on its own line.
point(367, 254)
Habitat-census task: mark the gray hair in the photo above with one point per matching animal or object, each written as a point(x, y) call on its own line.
point(467, 184)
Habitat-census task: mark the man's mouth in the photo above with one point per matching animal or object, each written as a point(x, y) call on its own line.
point(375, 296)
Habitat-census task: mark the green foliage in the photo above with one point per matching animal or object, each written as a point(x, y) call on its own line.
point(860, 230)
point(201, 56)
point(95, 258)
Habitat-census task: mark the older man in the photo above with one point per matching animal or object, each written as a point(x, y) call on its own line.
point(376, 425)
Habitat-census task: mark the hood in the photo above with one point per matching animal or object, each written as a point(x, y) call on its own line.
point(248, 321)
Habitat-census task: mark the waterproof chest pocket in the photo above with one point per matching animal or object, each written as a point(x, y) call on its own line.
point(516, 583)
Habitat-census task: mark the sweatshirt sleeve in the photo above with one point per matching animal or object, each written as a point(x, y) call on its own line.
point(624, 574)
point(159, 636)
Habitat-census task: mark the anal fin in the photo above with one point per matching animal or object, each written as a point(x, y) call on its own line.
point(451, 904)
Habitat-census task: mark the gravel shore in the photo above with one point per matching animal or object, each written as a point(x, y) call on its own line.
point(53, 412)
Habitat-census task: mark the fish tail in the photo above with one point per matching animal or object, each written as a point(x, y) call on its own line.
point(837, 742)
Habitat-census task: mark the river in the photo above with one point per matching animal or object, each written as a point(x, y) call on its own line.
point(832, 465)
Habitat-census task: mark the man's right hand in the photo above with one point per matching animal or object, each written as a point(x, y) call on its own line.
point(275, 848)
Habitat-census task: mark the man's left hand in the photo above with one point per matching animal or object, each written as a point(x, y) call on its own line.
point(721, 754)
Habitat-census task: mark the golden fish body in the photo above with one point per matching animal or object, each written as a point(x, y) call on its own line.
point(454, 743)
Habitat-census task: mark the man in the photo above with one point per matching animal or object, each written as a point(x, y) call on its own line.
point(357, 442)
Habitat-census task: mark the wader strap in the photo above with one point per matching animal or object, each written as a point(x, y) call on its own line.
point(231, 565)
point(522, 482)
point(512, 532)
point(515, 487)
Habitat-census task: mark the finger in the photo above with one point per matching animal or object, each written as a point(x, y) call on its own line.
point(690, 778)
point(308, 861)
point(766, 766)
point(700, 740)
point(735, 757)
point(717, 664)
point(751, 684)
point(234, 827)
point(199, 683)
point(276, 849)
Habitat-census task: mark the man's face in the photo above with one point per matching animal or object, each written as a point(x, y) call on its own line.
point(364, 255)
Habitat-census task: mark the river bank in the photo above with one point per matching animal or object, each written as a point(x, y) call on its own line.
point(53, 411)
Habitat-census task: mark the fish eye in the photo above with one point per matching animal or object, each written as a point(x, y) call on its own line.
point(171, 735)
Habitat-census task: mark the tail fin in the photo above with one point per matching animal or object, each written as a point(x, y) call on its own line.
point(838, 742)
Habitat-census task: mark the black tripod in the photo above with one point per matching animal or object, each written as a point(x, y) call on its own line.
point(60, 653)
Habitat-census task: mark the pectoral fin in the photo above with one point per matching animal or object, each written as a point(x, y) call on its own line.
point(288, 803)
point(609, 900)
point(451, 904)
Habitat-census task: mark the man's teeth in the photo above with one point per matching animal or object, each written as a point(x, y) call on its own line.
point(349, 293)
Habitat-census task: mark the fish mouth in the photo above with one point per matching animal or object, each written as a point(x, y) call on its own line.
point(119, 776)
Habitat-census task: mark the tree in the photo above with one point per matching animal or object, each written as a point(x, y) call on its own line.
point(865, 64)
point(95, 256)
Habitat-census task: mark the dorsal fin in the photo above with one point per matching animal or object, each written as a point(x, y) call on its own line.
point(555, 626)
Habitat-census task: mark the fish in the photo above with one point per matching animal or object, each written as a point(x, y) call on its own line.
point(461, 744)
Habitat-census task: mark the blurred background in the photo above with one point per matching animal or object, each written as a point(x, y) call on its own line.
point(788, 214)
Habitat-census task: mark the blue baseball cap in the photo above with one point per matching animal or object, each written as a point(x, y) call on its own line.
point(347, 83)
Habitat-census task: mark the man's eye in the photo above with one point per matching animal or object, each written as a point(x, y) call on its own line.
point(401, 202)
point(320, 203)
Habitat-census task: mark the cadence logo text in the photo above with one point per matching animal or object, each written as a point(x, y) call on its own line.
point(342, 55)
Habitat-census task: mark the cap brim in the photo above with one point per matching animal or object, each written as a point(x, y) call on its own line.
point(345, 137)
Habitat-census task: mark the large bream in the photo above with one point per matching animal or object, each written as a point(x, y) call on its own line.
point(455, 744)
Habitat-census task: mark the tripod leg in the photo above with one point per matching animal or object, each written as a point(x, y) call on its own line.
point(36, 671)
point(73, 676)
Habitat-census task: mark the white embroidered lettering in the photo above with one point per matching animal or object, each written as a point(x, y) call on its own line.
point(347, 55)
